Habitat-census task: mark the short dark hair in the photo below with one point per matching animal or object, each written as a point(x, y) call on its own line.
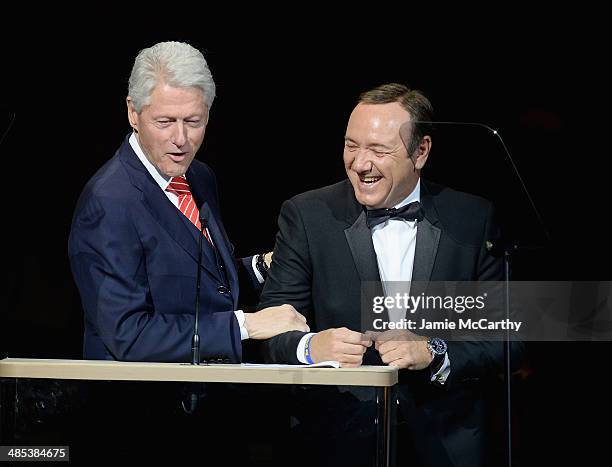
point(413, 100)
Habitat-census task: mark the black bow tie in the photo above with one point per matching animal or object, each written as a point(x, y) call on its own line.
point(411, 212)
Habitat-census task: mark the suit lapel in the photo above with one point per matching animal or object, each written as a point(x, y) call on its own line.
point(360, 243)
point(427, 241)
point(222, 244)
point(359, 239)
point(207, 251)
point(159, 206)
point(224, 250)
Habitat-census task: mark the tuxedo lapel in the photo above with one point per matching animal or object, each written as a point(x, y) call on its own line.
point(427, 241)
point(359, 238)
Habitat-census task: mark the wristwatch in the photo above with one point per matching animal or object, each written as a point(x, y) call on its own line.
point(261, 265)
point(437, 348)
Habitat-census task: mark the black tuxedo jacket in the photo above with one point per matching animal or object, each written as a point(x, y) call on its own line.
point(323, 253)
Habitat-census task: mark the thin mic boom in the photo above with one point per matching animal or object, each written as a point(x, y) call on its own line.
point(508, 155)
point(8, 128)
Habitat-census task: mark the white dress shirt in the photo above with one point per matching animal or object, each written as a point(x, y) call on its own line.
point(163, 181)
point(395, 245)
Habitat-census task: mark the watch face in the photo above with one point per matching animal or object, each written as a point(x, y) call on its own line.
point(437, 345)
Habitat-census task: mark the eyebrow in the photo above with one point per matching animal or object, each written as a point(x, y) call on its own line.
point(173, 117)
point(380, 146)
point(370, 146)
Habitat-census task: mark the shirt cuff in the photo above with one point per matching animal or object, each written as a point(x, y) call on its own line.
point(260, 278)
point(244, 334)
point(302, 347)
point(441, 375)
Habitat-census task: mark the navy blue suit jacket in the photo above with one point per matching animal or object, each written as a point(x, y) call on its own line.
point(134, 259)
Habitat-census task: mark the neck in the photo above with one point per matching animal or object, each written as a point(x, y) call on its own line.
point(409, 194)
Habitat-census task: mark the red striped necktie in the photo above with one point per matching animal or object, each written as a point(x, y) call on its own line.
point(186, 203)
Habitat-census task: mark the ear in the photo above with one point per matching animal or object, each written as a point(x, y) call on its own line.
point(422, 152)
point(132, 114)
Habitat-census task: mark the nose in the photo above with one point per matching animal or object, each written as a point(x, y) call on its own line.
point(362, 162)
point(179, 135)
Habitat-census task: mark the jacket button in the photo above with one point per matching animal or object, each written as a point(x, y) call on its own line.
point(222, 289)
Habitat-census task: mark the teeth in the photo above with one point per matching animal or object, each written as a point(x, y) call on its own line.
point(370, 179)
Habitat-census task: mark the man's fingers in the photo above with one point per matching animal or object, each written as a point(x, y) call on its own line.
point(399, 363)
point(346, 335)
point(372, 336)
point(386, 347)
point(350, 359)
point(391, 356)
point(349, 349)
point(349, 365)
point(352, 337)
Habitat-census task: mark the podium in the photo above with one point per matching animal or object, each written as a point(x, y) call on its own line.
point(31, 386)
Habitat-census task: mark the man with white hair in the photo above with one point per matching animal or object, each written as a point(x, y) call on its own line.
point(134, 241)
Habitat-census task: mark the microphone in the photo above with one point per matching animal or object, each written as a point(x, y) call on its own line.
point(195, 341)
point(499, 248)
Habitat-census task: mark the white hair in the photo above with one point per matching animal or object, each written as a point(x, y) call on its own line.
point(175, 63)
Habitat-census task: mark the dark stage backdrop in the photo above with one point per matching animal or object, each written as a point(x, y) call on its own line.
point(276, 129)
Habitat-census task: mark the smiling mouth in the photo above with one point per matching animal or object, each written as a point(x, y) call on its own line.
point(369, 180)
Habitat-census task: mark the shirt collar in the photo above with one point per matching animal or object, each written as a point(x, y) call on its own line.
point(414, 196)
point(162, 180)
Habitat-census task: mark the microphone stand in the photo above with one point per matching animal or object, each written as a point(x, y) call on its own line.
point(504, 249)
point(195, 340)
point(4, 352)
point(507, 350)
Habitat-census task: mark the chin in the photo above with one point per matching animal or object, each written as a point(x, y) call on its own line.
point(175, 170)
point(368, 201)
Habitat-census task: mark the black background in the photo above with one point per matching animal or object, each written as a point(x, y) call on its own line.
point(285, 89)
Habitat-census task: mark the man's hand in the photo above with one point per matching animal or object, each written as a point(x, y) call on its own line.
point(403, 349)
point(274, 320)
point(340, 344)
point(268, 258)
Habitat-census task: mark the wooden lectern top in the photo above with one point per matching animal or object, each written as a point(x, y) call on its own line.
point(378, 376)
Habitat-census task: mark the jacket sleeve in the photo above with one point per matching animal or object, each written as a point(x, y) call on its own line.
point(109, 266)
point(247, 274)
point(289, 281)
